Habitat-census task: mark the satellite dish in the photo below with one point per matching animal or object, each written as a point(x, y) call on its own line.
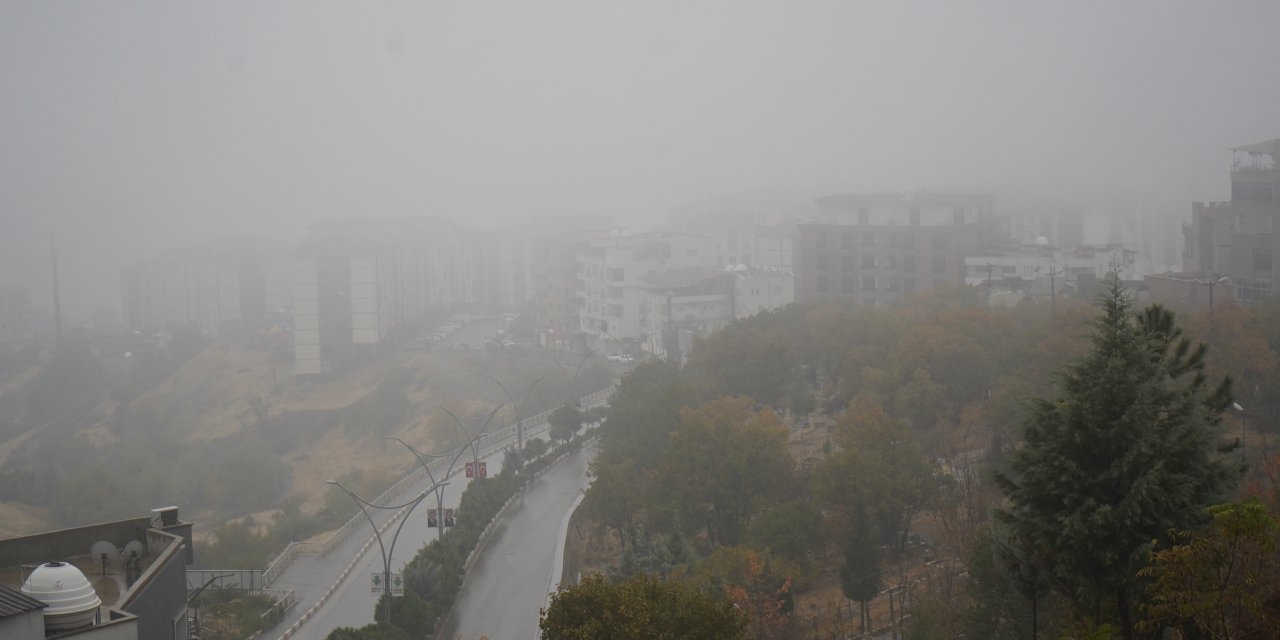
point(133, 548)
point(105, 555)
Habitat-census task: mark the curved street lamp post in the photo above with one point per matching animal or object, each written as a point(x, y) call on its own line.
point(518, 407)
point(386, 551)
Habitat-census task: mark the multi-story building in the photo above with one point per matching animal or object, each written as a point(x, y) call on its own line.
point(880, 248)
point(239, 281)
point(15, 316)
point(1044, 268)
point(554, 273)
point(1236, 239)
point(680, 305)
point(612, 271)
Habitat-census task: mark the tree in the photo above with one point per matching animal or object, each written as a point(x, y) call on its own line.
point(565, 421)
point(723, 459)
point(880, 467)
point(1125, 453)
point(1224, 581)
point(860, 573)
point(641, 607)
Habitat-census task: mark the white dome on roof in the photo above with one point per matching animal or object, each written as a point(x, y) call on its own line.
point(1042, 241)
point(71, 599)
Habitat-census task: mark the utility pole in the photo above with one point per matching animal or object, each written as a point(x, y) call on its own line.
point(989, 284)
point(1053, 293)
point(57, 297)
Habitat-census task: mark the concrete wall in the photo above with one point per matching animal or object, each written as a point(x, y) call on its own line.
point(159, 597)
point(67, 543)
point(25, 626)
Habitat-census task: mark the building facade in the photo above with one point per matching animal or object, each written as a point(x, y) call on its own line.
point(880, 248)
point(1236, 239)
point(214, 287)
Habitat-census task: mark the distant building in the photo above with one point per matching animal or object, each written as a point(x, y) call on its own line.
point(15, 317)
point(348, 296)
point(680, 305)
point(232, 282)
point(1043, 269)
point(612, 271)
point(880, 248)
point(123, 580)
point(1236, 239)
point(554, 273)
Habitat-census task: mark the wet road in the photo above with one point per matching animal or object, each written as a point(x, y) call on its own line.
point(509, 584)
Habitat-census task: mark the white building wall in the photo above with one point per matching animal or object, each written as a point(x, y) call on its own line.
point(366, 327)
point(305, 301)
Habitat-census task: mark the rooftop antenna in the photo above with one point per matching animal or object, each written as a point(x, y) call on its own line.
point(57, 298)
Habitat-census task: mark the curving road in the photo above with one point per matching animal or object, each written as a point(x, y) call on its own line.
point(510, 582)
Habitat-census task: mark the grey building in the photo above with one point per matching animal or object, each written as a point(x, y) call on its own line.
point(1236, 239)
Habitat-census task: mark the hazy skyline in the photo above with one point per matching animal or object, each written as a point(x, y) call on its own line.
point(130, 128)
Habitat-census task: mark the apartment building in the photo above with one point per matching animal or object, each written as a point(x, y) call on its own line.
point(220, 285)
point(554, 273)
point(880, 248)
point(1236, 239)
point(1043, 268)
point(612, 270)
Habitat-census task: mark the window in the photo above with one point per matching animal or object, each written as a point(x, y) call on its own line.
point(908, 242)
point(868, 283)
point(957, 215)
point(1261, 260)
point(846, 263)
point(868, 262)
point(864, 216)
point(822, 262)
point(889, 262)
point(909, 264)
point(821, 286)
point(939, 264)
point(616, 274)
point(1009, 270)
point(847, 286)
point(846, 241)
point(914, 213)
point(868, 240)
point(939, 242)
point(820, 240)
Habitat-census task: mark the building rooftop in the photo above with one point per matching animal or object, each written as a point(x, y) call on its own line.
point(14, 602)
point(846, 199)
point(1266, 146)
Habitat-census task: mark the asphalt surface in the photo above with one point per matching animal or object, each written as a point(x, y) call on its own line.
point(510, 582)
point(352, 602)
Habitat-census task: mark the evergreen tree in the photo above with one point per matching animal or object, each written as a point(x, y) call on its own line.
point(860, 574)
point(1124, 454)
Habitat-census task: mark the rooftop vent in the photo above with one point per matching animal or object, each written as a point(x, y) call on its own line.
point(168, 516)
point(73, 604)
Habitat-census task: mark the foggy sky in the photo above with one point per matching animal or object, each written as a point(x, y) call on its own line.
point(131, 128)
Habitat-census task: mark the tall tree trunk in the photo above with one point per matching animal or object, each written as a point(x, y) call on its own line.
point(1126, 620)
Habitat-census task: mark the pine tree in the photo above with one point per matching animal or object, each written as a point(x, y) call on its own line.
point(1124, 454)
point(860, 574)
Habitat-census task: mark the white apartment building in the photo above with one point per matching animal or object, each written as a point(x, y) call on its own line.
point(1040, 268)
point(761, 289)
point(611, 271)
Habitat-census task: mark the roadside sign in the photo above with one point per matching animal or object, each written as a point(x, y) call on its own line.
point(397, 585)
point(448, 517)
point(471, 472)
point(433, 518)
point(483, 472)
point(375, 581)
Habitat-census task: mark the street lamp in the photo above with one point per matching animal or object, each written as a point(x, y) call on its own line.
point(1211, 284)
point(1237, 407)
point(517, 407)
point(386, 551)
point(437, 487)
point(473, 443)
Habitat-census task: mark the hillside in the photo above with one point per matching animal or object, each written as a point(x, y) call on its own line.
point(229, 433)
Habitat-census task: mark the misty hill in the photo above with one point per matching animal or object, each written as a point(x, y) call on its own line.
point(226, 432)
